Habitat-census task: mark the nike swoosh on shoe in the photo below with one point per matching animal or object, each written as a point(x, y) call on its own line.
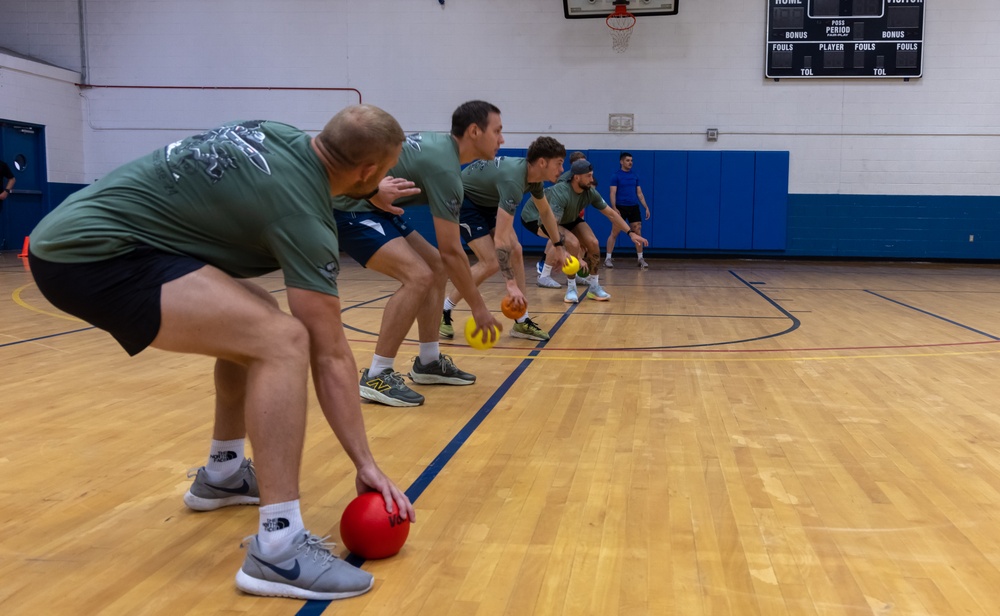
point(289, 574)
point(243, 489)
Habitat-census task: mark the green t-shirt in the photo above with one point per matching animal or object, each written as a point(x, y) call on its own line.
point(566, 204)
point(429, 160)
point(499, 183)
point(248, 197)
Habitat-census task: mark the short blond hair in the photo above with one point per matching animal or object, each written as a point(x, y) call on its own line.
point(360, 135)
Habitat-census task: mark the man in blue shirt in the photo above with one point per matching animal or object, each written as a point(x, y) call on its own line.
point(626, 195)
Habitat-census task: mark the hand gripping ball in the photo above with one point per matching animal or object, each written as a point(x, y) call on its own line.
point(508, 309)
point(572, 266)
point(371, 532)
point(478, 342)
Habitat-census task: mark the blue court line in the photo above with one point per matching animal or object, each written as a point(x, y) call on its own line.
point(313, 608)
point(74, 331)
point(371, 301)
point(931, 314)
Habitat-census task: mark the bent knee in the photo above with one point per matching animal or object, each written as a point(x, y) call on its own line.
point(286, 337)
point(420, 274)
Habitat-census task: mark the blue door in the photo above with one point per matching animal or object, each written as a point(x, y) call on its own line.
point(22, 148)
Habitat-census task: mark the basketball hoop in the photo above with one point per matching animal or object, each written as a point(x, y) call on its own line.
point(621, 23)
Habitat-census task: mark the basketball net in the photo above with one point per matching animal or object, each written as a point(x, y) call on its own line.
point(621, 23)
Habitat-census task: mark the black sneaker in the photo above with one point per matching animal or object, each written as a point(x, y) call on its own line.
point(440, 372)
point(388, 388)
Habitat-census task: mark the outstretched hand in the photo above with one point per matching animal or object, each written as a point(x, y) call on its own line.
point(390, 189)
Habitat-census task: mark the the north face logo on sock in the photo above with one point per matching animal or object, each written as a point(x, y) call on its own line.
point(223, 456)
point(273, 524)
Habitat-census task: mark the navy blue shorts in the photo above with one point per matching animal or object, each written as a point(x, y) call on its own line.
point(120, 295)
point(475, 222)
point(362, 234)
point(630, 213)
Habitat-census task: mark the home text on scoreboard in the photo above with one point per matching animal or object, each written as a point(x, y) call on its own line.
point(844, 38)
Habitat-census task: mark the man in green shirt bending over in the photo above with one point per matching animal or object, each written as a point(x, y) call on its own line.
point(493, 190)
point(568, 200)
point(376, 235)
point(155, 253)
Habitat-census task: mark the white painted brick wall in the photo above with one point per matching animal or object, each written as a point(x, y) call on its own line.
point(41, 94)
point(681, 75)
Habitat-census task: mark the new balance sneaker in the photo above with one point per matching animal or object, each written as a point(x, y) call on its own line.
point(446, 329)
point(529, 330)
point(597, 293)
point(306, 570)
point(609, 263)
point(571, 296)
point(440, 372)
point(548, 283)
point(388, 388)
point(240, 488)
point(643, 264)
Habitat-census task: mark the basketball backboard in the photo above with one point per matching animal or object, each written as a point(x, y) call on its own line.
point(578, 9)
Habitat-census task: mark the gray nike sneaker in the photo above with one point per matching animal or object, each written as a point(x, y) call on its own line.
point(306, 570)
point(240, 488)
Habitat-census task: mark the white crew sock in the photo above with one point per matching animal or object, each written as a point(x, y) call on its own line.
point(546, 271)
point(280, 524)
point(379, 364)
point(448, 304)
point(430, 352)
point(224, 458)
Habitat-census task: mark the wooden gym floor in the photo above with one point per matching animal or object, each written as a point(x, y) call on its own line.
point(723, 437)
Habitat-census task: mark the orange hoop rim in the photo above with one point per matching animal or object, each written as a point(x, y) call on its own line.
point(620, 11)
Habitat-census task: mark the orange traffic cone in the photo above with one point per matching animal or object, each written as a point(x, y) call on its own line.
point(24, 251)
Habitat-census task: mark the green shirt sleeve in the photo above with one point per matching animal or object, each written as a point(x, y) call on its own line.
point(308, 252)
point(444, 194)
point(597, 200)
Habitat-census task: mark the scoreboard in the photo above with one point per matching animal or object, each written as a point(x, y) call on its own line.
point(844, 38)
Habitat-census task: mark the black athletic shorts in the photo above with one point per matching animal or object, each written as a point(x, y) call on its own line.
point(119, 295)
point(630, 213)
point(535, 225)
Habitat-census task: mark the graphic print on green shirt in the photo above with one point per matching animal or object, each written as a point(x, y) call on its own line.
point(247, 197)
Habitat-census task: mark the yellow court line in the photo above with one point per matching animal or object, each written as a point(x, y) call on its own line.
point(16, 296)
